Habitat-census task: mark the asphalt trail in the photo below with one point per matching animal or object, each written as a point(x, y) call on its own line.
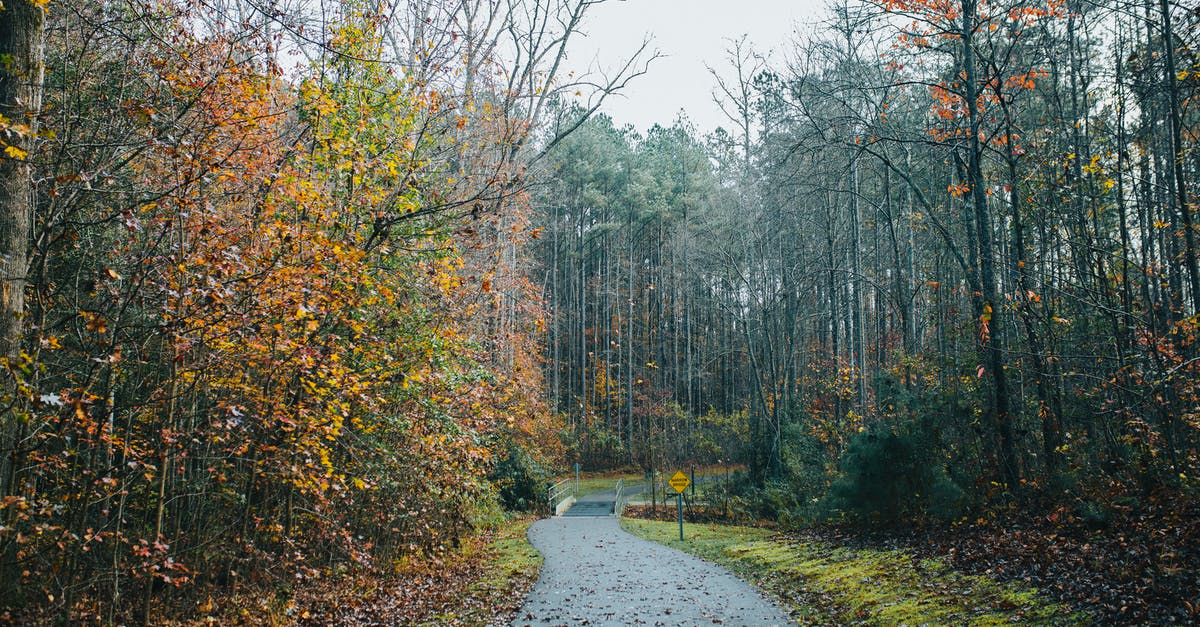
point(596, 574)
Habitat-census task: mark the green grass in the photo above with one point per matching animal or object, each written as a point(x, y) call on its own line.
point(596, 482)
point(830, 585)
point(512, 558)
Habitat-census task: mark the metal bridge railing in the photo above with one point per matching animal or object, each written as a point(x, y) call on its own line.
point(558, 492)
point(623, 494)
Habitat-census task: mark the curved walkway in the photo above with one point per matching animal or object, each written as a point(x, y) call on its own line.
point(596, 574)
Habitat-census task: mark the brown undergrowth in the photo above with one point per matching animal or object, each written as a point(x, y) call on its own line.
point(1142, 566)
point(482, 582)
point(1138, 566)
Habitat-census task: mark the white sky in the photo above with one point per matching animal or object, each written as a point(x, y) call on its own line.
point(689, 34)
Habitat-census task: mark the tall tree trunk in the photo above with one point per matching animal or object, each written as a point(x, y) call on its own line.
point(991, 310)
point(1049, 405)
point(22, 41)
point(22, 45)
point(1171, 86)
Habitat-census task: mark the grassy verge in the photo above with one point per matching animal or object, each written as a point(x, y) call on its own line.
point(509, 567)
point(595, 482)
point(825, 584)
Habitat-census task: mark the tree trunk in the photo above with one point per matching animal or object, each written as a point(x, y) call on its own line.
point(22, 41)
point(991, 309)
point(1171, 86)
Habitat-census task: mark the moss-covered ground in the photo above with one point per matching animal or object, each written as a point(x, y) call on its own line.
point(823, 584)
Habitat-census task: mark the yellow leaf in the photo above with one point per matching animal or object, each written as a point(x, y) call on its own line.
point(15, 153)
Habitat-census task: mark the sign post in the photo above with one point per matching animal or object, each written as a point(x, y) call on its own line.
point(679, 482)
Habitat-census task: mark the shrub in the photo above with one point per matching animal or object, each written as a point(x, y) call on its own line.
point(520, 479)
point(893, 475)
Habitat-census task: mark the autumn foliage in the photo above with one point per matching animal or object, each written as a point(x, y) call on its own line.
point(260, 343)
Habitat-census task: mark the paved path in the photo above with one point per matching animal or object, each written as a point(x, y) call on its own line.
point(594, 504)
point(596, 574)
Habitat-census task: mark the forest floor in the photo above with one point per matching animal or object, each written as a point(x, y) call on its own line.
point(1053, 569)
point(829, 583)
point(483, 582)
point(1140, 567)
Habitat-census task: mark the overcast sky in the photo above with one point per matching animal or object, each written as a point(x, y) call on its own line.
point(690, 34)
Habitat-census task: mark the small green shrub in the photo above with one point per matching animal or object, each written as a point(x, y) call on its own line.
point(520, 479)
point(893, 475)
point(775, 500)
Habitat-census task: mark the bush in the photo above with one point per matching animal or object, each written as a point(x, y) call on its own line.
point(805, 460)
point(520, 479)
point(893, 475)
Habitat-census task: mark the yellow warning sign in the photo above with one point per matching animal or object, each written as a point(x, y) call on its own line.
point(679, 481)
